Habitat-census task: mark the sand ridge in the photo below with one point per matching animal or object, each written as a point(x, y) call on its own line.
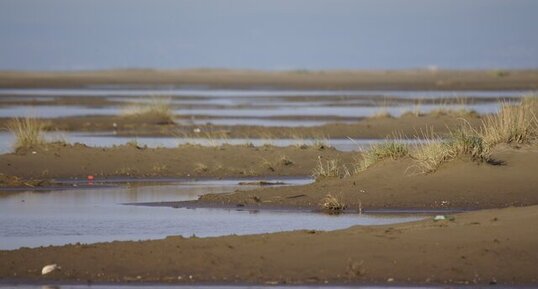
point(221, 78)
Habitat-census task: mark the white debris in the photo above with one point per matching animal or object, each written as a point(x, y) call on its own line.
point(439, 218)
point(197, 130)
point(49, 268)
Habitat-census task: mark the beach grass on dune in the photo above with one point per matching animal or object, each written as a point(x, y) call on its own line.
point(157, 108)
point(378, 152)
point(328, 168)
point(512, 124)
point(464, 142)
point(29, 132)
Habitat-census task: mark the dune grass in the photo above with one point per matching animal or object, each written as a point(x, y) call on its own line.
point(512, 124)
point(432, 153)
point(329, 168)
point(455, 107)
point(159, 109)
point(378, 152)
point(28, 132)
point(435, 151)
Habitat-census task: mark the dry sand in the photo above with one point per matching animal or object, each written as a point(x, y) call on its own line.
point(460, 184)
point(372, 80)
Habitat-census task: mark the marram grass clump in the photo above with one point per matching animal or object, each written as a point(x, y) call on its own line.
point(28, 132)
point(157, 109)
point(512, 124)
point(378, 152)
point(435, 151)
point(329, 168)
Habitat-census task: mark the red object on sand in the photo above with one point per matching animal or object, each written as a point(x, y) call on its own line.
point(90, 178)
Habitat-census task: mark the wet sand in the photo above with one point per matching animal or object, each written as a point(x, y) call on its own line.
point(79, 161)
point(372, 80)
point(459, 184)
point(486, 247)
point(377, 127)
point(481, 247)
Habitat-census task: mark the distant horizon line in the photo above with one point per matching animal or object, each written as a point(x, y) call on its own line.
point(298, 70)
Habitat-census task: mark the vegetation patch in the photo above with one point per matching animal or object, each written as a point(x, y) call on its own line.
point(329, 168)
point(378, 152)
point(514, 124)
point(28, 132)
point(157, 109)
point(333, 204)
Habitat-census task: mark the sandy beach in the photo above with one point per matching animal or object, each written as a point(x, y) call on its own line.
point(484, 190)
point(370, 80)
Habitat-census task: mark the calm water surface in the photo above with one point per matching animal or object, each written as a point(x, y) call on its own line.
point(32, 219)
point(109, 140)
point(252, 106)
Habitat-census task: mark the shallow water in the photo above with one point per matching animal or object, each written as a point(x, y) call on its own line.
point(250, 93)
point(334, 111)
point(32, 219)
point(109, 140)
point(252, 121)
point(261, 107)
point(46, 111)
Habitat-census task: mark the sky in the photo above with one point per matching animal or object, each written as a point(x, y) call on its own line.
point(268, 34)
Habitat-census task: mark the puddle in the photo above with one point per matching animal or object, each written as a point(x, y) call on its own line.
point(109, 140)
point(32, 219)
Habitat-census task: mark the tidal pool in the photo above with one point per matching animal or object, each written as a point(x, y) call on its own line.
point(98, 214)
point(108, 139)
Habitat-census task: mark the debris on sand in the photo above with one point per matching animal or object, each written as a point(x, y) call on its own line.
point(50, 268)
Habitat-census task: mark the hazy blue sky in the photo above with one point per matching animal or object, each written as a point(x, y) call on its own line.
point(268, 34)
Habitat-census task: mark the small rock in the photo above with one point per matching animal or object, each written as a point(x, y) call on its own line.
point(50, 268)
point(390, 280)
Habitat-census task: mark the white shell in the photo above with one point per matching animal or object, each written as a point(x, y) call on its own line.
point(49, 268)
point(439, 218)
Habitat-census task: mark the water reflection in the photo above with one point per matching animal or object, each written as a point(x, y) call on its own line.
point(249, 93)
point(109, 140)
point(30, 219)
